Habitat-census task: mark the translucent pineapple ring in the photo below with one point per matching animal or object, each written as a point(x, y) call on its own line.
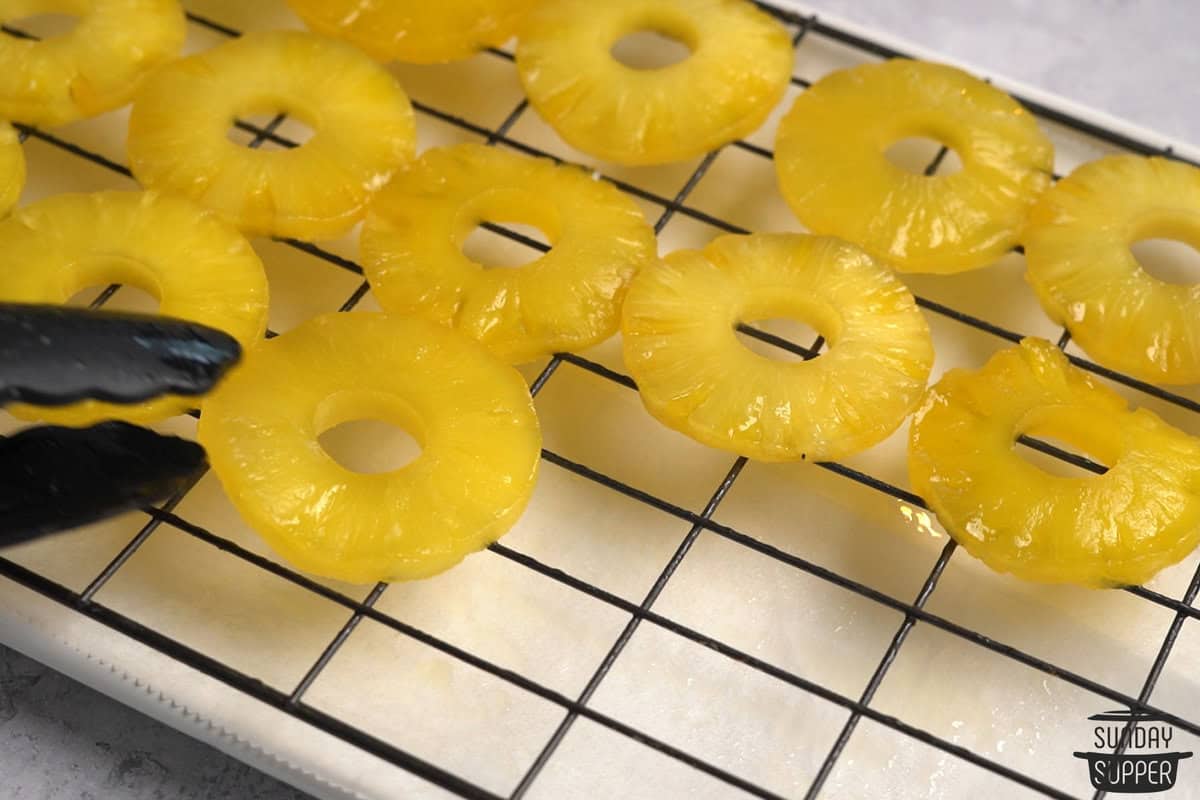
point(12, 168)
point(95, 67)
point(1079, 263)
point(199, 267)
point(834, 173)
point(567, 299)
point(740, 65)
point(419, 33)
point(1119, 528)
point(695, 376)
point(472, 415)
point(362, 120)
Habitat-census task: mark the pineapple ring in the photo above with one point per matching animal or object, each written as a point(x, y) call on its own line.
point(739, 67)
point(695, 376)
point(1119, 528)
point(567, 299)
point(1079, 263)
point(12, 168)
point(416, 32)
point(200, 268)
point(96, 67)
point(833, 171)
point(362, 118)
point(472, 414)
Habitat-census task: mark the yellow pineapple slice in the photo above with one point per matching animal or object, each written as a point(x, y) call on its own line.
point(834, 173)
point(95, 67)
point(199, 267)
point(416, 31)
point(1079, 263)
point(471, 414)
point(12, 168)
point(567, 299)
point(362, 120)
point(1119, 528)
point(695, 376)
point(739, 67)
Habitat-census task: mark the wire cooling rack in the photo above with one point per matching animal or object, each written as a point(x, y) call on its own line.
point(574, 707)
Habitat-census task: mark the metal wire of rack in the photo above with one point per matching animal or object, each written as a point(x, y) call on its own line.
point(577, 707)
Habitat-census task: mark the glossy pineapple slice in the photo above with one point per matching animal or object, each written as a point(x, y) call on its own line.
point(12, 168)
point(362, 120)
point(1118, 528)
point(566, 299)
point(416, 31)
point(834, 173)
point(695, 376)
point(1079, 263)
point(199, 267)
point(95, 67)
point(739, 67)
point(471, 414)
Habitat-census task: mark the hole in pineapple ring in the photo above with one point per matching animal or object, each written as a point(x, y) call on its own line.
point(492, 249)
point(45, 26)
point(915, 154)
point(367, 432)
point(790, 321)
point(1077, 430)
point(784, 336)
point(537, 220)
point(793, 321)
point(369, 446)
point(127, 298)
point(247, 129)
point(652, 48)
point(1169, 249)
point(85, 281)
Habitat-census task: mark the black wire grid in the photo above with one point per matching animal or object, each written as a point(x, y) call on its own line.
point(860, 707)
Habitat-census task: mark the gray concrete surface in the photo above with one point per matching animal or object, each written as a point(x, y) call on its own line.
point(1133, 58)
point(60, 740)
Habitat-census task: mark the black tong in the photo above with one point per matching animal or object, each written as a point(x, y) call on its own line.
point(54, 478)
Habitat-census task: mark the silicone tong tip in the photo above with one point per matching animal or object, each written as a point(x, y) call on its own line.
point(55, 355)
point(54, 478)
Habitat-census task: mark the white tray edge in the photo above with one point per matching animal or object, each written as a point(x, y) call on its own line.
point(29, 624)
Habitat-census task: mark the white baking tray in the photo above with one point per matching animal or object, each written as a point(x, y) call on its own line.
point(745, 627)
